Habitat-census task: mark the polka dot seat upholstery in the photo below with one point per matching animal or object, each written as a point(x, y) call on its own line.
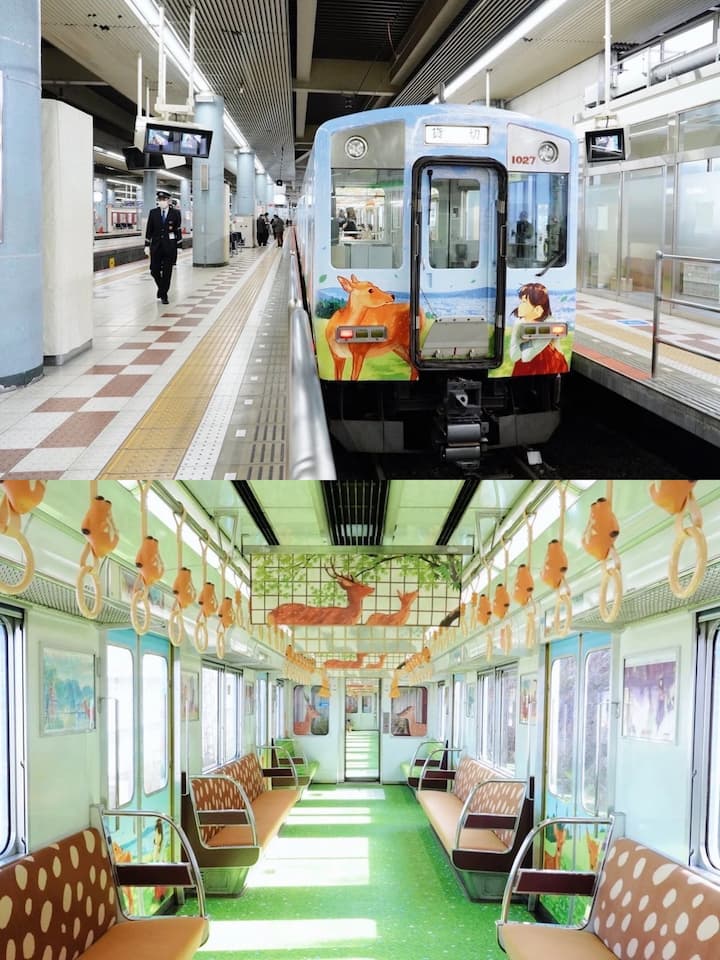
point(501, 796)
point(60, 903)
point(646, 908)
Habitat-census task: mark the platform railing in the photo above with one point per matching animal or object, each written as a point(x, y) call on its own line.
point(658, 298)
point(310, 450)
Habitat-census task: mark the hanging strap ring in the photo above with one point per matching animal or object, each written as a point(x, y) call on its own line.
point(11, 529)
point(562, 616)
point(176, 626)
point(611, 577)
point(201, 634)
point(682, 534)
point(140, 603)
point(531, 625)
point(88, 572)
point(220, 641)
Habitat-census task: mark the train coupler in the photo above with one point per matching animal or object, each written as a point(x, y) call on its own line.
point(463, 429)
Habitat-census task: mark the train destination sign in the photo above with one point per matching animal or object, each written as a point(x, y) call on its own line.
point(457, 136)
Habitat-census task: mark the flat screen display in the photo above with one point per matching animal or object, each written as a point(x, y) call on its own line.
point(137, 160)
point(177, 141)
point(604, 145)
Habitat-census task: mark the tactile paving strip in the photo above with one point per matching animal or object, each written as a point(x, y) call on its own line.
point(255, 446)
point(157, 445)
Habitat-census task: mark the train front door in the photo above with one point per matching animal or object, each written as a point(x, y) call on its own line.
point(137, 733)
point(579, 724)
point(458, 289)
point(362, 729)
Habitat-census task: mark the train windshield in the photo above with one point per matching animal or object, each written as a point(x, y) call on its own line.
point(366, 218)
point(537, 219)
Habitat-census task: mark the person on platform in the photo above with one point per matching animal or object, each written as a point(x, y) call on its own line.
point(163, 237)
point(278, 229)
point(262, 230)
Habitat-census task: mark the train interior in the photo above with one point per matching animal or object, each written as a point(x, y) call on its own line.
point(367, 648)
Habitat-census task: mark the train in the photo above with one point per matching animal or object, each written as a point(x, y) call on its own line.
point(364, 647)
point(437, 248)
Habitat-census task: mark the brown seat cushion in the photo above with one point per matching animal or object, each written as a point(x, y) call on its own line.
point(443, 812)
point(174, 938)
point(530, 941)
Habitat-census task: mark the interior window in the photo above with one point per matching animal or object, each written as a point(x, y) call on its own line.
point(454, 224)
point(366, 217)
point(537, 220)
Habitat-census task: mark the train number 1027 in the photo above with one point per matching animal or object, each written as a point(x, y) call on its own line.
point(519, 158)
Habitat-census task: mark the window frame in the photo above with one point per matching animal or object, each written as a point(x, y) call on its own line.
point(223, 753)
point(13, 671)
point(490, 703)
point(705, 800)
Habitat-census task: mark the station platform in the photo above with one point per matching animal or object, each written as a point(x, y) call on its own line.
point(613, 344)
point(195, 389)
point(200, 388)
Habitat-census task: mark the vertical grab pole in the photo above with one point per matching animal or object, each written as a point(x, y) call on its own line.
point(191, 51)
point(657, 294)
point(608, 38)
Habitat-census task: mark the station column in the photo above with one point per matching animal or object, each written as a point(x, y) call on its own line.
point(211, 216)
point(185, 205)
point(260, 190)
point(149, 198)
point(21, 209)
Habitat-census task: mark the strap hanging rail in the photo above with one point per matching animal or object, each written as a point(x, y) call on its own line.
point(98, 527)
point(19, 497)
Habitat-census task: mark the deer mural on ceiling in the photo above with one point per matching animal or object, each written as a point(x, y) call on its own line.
point(302, 614)
point(399, 617)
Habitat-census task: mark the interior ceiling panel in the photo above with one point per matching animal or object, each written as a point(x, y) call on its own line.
point(356, 511)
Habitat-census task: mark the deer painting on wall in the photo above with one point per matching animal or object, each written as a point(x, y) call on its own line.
point(301, 728)
point(302, 614)
point(398, 617)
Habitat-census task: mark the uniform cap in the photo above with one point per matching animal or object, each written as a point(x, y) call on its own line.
point(163, 195)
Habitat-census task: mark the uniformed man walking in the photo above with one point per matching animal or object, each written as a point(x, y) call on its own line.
point(163, 236)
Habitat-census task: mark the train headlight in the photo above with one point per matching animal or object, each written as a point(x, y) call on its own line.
point(548, 151)
point(356, 147)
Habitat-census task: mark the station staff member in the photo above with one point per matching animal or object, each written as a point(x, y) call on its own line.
point(163, 236)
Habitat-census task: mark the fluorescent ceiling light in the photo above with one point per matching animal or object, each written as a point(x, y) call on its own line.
point(502, 46)
point(166, 173)
point(109, 153)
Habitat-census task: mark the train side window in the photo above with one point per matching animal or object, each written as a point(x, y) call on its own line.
point(121, 736)
point(563, 681)
point(278, 708)
point(221, 733)
point(12, 683)
point(596, 732)
point(497, 716)
point(155, 722)
point(537, 220)
point(366, 218)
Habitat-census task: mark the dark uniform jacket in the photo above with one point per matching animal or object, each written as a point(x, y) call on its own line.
point(157, 233)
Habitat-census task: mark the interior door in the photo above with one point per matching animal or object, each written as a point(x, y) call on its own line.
point(458, 288)
point(577, 758)
point(137, 731)
point(362, 729)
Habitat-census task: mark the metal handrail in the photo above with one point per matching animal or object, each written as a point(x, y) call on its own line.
point(309, 441)
point(658, 299)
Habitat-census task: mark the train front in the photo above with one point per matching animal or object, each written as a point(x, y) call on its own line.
point(440, 269)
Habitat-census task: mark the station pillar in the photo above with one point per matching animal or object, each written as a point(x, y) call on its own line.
point(21, 208)
point(261, 191)
point(211, 214)
point(185, 209)
point(245, 196)
point(101, 205)
point(149, 198)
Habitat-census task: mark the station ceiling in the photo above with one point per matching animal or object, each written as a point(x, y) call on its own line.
point(285, 66)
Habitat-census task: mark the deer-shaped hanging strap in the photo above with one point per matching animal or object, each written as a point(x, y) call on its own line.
point(554, 571)
point(226, 612)
point(485, 612)
point(183, 586)
point(598, 540)
point(150, 568)
point(524, 588)
point(98, 527)
point(19, 497)
point(207, 600)
point(677, 497)
point(501, 605)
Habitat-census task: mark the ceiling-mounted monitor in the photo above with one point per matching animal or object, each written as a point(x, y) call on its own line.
point(602, 146)
point(137, 160)
point(176, 140)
